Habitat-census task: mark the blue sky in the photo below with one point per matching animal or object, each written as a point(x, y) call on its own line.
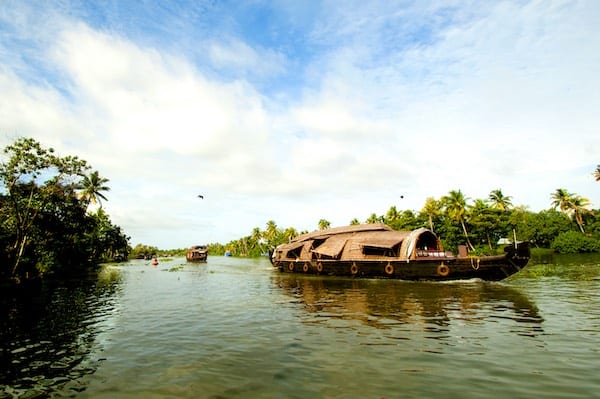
point(295, 111)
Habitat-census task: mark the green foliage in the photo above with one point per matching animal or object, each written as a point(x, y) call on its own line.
point(541, 228)
point(455, 220)
point(144, 251)
point(571, 242)
point(486, 224)
point(44, 227)
point(259, 243)
point(324, 224)
point(484, 250)
point(592, 223)
point(91, 188)
point(216, 249)
point(405, 220)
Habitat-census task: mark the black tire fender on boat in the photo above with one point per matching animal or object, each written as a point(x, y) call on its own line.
point(443, 270)
point(305, 267)
point(354, 269)
point(291, 266)
point(319, 267)
point(389, 269)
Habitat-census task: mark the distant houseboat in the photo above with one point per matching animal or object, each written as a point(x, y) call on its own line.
point(197, 253)
point(377, 250)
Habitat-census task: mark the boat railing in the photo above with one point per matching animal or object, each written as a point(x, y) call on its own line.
point(421, 253)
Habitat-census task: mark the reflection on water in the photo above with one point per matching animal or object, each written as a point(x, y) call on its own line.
point(47, 331)
point(235, 328)
point(432, 306)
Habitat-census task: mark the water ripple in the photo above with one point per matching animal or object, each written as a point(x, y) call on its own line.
point(233, 328)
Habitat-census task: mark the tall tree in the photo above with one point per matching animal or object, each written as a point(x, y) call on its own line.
point(31, 174)
point(290, 233)
point(484, 222)
point(324, 224)
point(374, 219)
point(271, 233)
point(499, 200)
point(392, 215)
point(561, 199)
point(455, 204)
point(431, 209)
point(256, 241)
point(92, 187)
point(579, 208)
point(571, 204)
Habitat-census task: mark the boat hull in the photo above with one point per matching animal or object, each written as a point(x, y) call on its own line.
point(489, 268)
point(196, 257)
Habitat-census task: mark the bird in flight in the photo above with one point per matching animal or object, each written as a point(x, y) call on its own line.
point(201, 196)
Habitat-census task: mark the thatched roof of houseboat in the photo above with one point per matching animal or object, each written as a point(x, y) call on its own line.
point(320, 234)
point(331, 242)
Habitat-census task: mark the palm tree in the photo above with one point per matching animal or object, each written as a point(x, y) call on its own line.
point(324, 224)
point(354, 222)
point(517, 216)
point(373, 219)
point(431, 209)
point(290, 233)
point(256, 239)
point(579, 208)
point(499, 200)
point(597, 173)
point(91, 187)
point(483, 220)
point(571, 204)
point(561, 199)
point(392, 215)
point(270, 234)
point(456, 206)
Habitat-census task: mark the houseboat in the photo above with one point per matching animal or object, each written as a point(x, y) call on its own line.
point(377, 250)
point(197, 253)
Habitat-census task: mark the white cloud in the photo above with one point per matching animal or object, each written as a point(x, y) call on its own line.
point(498, 97)
point(155, 102)
point(236, 56)
point(28, 108)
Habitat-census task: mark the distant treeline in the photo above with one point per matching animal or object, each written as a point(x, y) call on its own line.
point(568, 226)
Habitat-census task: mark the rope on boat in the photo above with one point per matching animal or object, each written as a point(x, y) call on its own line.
point(475, 265)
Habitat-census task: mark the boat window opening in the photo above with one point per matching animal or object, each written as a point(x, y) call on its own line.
point(379, 251)
point(294, 253)
point(427, 245)
point(317, 243)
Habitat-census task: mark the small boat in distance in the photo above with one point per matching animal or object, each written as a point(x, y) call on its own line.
point(197, 253)
point(377, 250)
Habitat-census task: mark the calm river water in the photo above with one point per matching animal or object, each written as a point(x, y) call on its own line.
point(234, 328)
